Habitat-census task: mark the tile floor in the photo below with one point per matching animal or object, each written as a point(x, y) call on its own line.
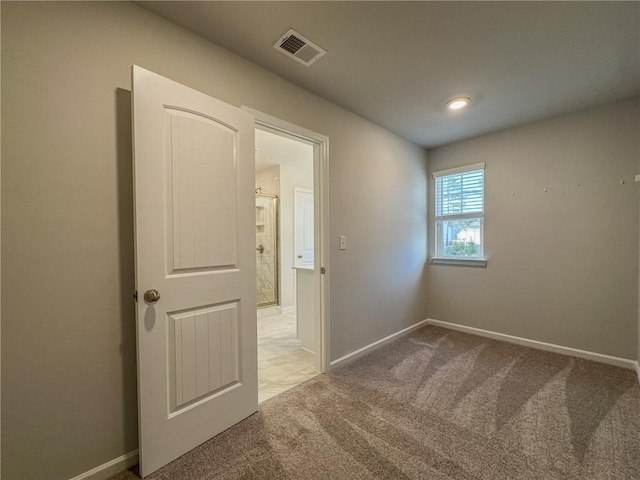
point(281, 363)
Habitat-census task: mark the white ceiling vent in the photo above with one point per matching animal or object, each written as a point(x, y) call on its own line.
point(299, 48)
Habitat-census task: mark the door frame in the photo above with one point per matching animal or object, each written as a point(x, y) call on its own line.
point(322, 237)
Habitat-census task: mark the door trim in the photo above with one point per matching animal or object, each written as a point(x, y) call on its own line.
point(320, 144)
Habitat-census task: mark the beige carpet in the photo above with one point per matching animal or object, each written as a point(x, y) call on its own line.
point(437, 405)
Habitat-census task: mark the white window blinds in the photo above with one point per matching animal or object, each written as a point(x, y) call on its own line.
point(460, 193)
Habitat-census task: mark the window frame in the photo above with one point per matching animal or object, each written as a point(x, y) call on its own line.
point(439, 256)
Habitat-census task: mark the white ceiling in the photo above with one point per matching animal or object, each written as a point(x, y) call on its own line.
point(397, 63)
point(272, 150)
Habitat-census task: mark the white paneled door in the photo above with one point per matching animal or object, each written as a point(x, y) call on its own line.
point(303, 227)
point(195, 267)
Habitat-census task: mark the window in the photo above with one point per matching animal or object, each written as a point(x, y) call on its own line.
point(459, 213)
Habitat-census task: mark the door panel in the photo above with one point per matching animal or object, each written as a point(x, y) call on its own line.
point(203, 236)
point(197, 367)
point(303, 226)
point(203, 355)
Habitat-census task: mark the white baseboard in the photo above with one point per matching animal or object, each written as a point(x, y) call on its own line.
point(305, 349)
point(549, 347)
point(106, 470)
point(350, 357)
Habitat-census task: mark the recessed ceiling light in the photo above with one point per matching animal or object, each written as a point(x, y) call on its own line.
point(458, 103)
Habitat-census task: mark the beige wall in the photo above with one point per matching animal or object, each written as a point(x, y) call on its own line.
point(563, 265)
point(268, 180)
point(68, 338)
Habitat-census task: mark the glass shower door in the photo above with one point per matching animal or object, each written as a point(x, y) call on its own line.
point(267, 250)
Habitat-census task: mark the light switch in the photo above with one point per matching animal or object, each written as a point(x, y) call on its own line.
point(343, 242)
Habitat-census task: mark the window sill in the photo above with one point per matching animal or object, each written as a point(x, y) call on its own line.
point(460, 262)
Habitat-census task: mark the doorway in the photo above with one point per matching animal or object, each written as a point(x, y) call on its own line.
point(290, 239)
point(285, 303)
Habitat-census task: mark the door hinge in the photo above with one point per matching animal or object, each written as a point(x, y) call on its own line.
point(322, 270)
point(135, 296)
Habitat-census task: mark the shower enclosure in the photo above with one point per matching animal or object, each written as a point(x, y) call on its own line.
point(267, 245)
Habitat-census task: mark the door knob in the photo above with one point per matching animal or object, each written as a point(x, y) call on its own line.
point(151, 296)
point(260, 248)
